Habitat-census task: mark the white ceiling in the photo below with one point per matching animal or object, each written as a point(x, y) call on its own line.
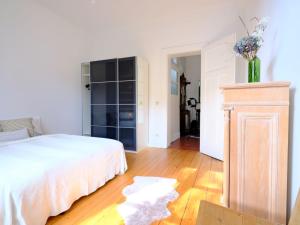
point(95, 15)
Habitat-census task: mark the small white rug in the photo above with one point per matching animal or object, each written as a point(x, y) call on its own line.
point(147, 199)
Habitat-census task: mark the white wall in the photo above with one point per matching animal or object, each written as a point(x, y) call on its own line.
point(183, 24)
point(192, 73)
point(280, 61)
point(40, 56)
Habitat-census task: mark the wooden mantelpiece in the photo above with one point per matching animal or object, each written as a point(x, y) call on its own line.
point(256, 85)
point(275, 93)
point(256, 148)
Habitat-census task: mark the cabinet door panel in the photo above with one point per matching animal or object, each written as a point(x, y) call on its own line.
point(126, 68)
point(105, 70)
point(258, 162)
point(105, 132)
point(104, 93)
point(127, 116)
point(104, 115)
point(127, 92)
point(128, 138)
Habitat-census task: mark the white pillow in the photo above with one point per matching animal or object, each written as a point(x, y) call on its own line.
point(14, 135)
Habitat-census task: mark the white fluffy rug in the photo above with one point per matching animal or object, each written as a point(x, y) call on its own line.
point(147, 199)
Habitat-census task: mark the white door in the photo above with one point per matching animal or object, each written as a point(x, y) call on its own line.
point(218, 67)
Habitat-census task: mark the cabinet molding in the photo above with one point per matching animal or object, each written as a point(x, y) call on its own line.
point(271, 121)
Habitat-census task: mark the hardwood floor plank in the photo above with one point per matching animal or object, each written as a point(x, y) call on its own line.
point(185, 175)
point(215, 188)
point(198, 191)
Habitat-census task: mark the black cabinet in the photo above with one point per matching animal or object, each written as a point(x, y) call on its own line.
point(128, 137)
point(104, 115)
point(105, 70)
point(127, 69)
point(105, 132)
point(127, 93)
point(113, 100)
point(104, 93)
point(127, 116)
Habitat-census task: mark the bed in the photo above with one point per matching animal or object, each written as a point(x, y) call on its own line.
point(42, 176)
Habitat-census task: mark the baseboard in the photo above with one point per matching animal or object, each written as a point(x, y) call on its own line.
point(175, 136)
point(130, 151)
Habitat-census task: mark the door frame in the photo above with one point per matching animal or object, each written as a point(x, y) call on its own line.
point(166, 54)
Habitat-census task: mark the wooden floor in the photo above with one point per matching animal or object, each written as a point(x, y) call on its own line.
point(199, 177)
point(186, 143)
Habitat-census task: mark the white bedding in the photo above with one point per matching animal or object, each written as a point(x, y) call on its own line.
point(44, 175)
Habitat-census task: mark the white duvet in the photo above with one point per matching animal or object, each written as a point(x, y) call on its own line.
point(43, 176)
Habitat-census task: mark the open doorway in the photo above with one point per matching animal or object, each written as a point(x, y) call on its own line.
point(185, 78)
point(218, 66)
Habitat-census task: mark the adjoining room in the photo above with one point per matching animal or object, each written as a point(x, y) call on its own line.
point(185, 78)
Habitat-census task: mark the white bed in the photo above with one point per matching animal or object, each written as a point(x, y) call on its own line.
point(42, 176)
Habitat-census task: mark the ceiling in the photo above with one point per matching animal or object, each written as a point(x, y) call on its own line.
point(94, 15)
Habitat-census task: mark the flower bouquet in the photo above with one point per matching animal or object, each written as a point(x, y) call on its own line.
point(248, 46)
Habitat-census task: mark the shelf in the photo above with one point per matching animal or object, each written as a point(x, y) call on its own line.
point(104, 126)
point(104, 104)
point(121, 81)
point(104, 82)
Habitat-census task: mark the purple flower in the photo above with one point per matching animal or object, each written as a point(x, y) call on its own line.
point(248, 46)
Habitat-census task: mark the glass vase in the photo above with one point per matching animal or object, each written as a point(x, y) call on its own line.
point(254, 70)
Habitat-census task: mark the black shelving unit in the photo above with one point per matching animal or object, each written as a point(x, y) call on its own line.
point(113, 100)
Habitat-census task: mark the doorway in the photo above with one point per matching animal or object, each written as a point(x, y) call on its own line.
point(218, 66)
point(185, 84)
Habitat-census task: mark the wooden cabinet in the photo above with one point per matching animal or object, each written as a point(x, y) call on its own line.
point(256, 148)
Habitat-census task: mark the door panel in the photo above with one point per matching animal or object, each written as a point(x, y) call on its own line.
point(127, 68)
point(127, 92)
point(105, 132)
point(254, 156)
point(105, 70)
point(104, 115)
point(128, 138)
point(104, 93)
point(127, 117)
point(218, 67)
